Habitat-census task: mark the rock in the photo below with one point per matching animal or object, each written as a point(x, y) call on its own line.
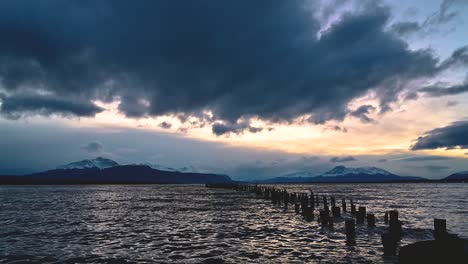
point(450, 250)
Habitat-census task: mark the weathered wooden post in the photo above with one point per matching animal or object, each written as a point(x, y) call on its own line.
point(332, 201)
point(343, 204)
point(286, 199)
point(440, 229)
point(370, 220)
point(336, 212)
point(362, 209)
point(303, 207)
point(393, 216)
point(296, 208)
point(324, 217)
point(395, 225)
point(350, 229)
point(360, 215)
point(353, 208)
point(317, 200)
point(386, 217)
point(309, 216)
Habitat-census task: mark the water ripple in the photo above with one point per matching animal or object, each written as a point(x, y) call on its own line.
point(193, 224)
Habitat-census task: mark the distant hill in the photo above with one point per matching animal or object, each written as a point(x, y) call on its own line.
point(459, 176)
point(105, 171)
point(344, 174)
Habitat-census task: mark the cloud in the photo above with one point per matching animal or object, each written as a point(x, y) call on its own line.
point(382, 160)
point(336, 128)
point(439, 91)
point(436, 167)
point(276, 167)
point(452, 103)
point(452, 136)
point(411, 96)
point(19, 105)
point(403, 28)
point(432, 168)
point(310, 158)
point(235, 128)
point(363, 113)
point(93, 147)
point(236, 60)
point(165, 125)
point(342, 159)
point(459, 58)
point(447, 12)
point(424, 158)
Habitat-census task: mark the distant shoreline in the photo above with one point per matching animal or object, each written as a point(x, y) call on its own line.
point(250, 182)
point(350, 182)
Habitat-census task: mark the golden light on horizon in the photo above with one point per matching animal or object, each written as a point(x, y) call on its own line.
point(393, 133)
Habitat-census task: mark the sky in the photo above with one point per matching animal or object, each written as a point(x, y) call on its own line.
point(252, 89)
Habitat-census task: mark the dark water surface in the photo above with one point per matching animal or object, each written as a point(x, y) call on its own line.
point(193, 224)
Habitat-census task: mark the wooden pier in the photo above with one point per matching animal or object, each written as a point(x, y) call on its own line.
point(305, 204)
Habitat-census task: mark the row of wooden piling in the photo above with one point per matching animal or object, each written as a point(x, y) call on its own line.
point(306, 203)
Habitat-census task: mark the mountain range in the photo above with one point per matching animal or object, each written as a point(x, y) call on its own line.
point(345, 175)
point(106, 171)
point(459, 176)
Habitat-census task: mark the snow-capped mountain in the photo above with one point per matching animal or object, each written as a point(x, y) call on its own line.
point(344, 174)
point(342, 170)
point(161, 167)
point(105, 171)
point(187, 169)
point(99, 163)
point(155, 166)
point(166, 168)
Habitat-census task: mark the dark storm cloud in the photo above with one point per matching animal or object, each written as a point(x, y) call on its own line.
point(19, 105)
point(237, 59)
point(411, 96)
point(458, 58)
point(165, 125)
point(93, 147)
point(363, 113)
point(382, 160)
point(452, 136)
point(403, 28)
point(438, 91)
point(342, 159)
point(235, 128)
point(452, 103)
point(337, 128)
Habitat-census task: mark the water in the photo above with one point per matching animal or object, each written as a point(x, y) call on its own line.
point(193, 224)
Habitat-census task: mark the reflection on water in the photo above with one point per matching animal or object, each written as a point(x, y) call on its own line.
point(193, 224)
